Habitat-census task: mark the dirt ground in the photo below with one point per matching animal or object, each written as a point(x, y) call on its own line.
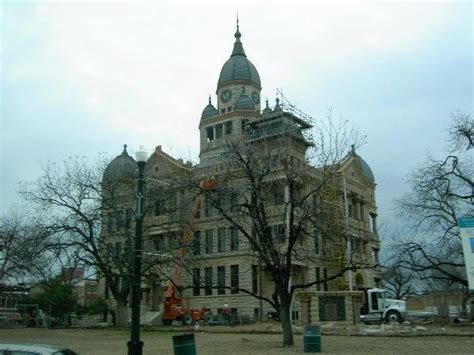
point(114, 342)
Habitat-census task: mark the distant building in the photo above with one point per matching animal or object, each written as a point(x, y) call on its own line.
point(219, 254)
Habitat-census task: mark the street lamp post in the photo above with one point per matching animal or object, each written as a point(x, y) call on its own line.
point(135, 346)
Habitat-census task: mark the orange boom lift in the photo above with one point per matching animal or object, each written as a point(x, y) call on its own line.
point(173, 307)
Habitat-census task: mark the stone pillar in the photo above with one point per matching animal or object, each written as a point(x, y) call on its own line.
point(305, 300)
point(156, 297)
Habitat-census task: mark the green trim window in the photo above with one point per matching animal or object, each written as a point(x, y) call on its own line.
point(234, 239)
point(208, 281)
point(234, 279)
point(221, 280)
point(196, 282)
point(221, 235)
point(209, 241)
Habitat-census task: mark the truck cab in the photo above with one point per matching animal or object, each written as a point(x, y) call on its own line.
point(378, 308)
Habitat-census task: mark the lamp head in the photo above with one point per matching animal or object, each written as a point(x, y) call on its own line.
point(141, 155)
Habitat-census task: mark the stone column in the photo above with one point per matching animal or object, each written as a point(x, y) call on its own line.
point(305, 299)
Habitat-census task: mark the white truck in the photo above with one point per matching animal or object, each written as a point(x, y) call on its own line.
point(378, 308)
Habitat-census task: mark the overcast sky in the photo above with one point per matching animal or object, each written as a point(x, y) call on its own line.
point(84, 78)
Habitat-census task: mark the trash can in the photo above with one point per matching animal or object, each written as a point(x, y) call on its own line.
point(312, 339)
point(184, 344)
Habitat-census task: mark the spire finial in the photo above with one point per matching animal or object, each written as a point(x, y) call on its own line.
point(277, 105)
point(267, 101)
point(209, 99)
point(124, 150)
point(353, 149)
point(238, 48)
point(237, 34)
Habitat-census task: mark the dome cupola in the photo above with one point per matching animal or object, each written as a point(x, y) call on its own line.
point(244, 102)
point(209, 110)
point(122, 166)
point(366, 170)
point(267, 110)
point(238, 67)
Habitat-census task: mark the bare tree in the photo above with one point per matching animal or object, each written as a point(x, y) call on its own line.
point(442, 190)
point(398, 281)
point(71, 200)
point(263, 179)
point(23, 247)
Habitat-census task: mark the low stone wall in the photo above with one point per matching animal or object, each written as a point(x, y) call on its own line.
point(329, 307)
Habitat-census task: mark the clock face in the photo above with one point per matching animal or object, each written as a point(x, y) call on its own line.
point(226, 95)
point(256, 97)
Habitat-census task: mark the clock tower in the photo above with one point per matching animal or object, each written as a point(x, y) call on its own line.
point(238, 101)
point(238, 77)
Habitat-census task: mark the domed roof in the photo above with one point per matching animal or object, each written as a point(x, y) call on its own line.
point(365, 168)
point(244, 102)
point(363, 165)
point(122, 166)
point(209, 110)
point(267, 110)
point(277, 105)
point(238, 67)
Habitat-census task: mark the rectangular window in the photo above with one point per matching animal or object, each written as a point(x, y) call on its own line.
point(376, 255)
point(159, 207)
point(234, 239)
point(228, 127)
point(234, 278)
point(318, 278)
point(316, 242)
point(197, 243)
point(279, 233)
point(325, 275)
point(210, 134)
point(128, 219)
point(110, 251)
point(208, 281)
point(119, 219)
point(110, 224)
point(208, 207)
point(221, 201)
point(221, 240)
point(118, 249)
point(278, 197)
point(221, 280)
point(254, 279)
point(350, 210)
point(315, 204)
point(219, 131)
point(256, 313)
point(233, 202)
point(209, 241)
point(160, 242)
point(196, 281)
point(373, 223)
point(255, 238)
point(244, 125)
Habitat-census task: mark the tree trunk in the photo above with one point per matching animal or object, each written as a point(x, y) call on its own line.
point(121, 316)
point(285, 320)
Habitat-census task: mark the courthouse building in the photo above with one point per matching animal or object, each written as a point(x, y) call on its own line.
point(221, 261)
